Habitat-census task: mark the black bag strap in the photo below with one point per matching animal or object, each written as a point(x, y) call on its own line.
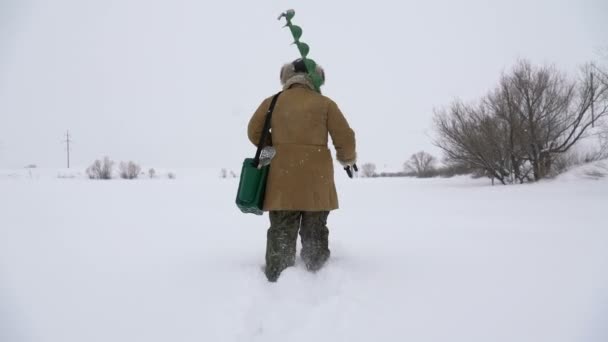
point(266, 129)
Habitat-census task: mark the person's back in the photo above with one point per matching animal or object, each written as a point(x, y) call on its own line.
point(300, 190)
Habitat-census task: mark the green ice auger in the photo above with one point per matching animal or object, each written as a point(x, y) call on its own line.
point(296, 32)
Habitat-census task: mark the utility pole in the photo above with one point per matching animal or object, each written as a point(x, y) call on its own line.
point(68, 141)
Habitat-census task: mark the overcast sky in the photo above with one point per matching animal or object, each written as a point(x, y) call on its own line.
point(174, 83)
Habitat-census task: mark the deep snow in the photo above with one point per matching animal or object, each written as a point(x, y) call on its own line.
point(412, 260)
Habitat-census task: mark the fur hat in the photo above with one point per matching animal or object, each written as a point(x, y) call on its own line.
point(295, 73)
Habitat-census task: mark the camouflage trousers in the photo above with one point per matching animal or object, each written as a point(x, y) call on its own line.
point(282, 238)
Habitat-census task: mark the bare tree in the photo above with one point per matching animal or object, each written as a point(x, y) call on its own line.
point(516, 131)
point(422, 164)
point(368, 170)
point(555, 112)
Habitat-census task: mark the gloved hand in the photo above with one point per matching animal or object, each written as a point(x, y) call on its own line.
point(350, 167)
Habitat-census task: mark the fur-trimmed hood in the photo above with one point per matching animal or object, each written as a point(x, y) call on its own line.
point(289, 76)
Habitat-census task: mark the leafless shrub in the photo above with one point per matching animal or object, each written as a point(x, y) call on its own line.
point(596, 152)
point(368, 170)
point(223, 173)
point(152, 173)
point(129, 170)
point(392, 174)
point(101, 169)
point(171, 175)
point(597, 171)
point(595, 174)
point(62, 175)
point(469, 135)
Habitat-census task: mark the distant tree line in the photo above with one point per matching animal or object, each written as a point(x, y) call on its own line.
point(421, 165)
point(104, 169)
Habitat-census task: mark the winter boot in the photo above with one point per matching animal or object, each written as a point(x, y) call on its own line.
point(314, 234)
point(281, 242)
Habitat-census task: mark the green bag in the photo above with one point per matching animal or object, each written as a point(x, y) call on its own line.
point(250, 196)
point(252, 184)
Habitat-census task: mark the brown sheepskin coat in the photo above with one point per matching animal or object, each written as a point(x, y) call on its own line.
point(301, 174)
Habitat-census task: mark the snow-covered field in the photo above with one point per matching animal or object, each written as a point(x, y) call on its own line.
point(412, 260)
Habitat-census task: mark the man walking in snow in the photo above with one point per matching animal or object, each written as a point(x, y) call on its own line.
point(300, 191)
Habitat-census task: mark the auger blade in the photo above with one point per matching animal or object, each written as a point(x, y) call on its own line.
point(311, 65)
point(296, 31)
point(289, 14)
point(304, 49)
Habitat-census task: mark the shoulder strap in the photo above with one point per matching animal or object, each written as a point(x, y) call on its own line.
point(266, 129)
